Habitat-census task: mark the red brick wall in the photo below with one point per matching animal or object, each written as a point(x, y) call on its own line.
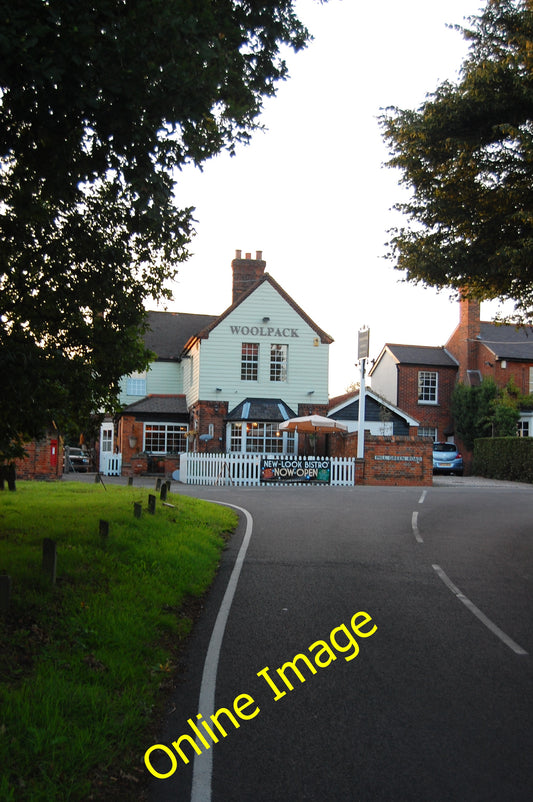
point(388, 460)
point(517, 371)
point(128, 428)
point(435, 415)
point(44, 460)
point(204, 413)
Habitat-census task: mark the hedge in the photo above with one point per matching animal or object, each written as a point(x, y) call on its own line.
point(504, 458)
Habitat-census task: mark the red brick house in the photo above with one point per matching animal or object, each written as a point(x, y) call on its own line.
point(491, 350)
point(419, 380)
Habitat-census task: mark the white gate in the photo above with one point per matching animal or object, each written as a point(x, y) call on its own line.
point(111, 464)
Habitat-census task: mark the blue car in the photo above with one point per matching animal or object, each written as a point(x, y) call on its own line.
point(446, 459)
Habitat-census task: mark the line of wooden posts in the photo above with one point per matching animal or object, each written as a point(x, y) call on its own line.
point(49, 562)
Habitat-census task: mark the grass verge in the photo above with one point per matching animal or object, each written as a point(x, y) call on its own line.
point(83, 662)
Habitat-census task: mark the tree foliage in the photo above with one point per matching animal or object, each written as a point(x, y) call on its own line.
point(466, 159)
point(486, 410)
point(101, 104)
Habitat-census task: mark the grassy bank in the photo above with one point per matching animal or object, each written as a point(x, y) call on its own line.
point(82, 662)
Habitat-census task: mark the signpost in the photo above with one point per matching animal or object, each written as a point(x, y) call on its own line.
point(362, 355)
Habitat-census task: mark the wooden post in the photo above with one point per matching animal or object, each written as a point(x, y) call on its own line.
point(50, 558)
point(151, 504)
point(104, 529)
point(5, 592)
point(130, 481)
point(137, 508)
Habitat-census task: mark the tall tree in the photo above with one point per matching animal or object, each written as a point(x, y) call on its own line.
point(101, 104)
point(466, 159)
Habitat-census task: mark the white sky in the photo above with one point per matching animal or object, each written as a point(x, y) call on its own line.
point(311, 192)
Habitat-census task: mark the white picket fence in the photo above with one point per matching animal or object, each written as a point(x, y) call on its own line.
point(110, 464)
point(244, 470)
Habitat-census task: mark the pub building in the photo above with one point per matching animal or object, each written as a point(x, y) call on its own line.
point(222, 383)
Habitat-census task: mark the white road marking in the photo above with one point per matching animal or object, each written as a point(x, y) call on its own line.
point(414, 525)
point(423, 497)
point(203, 764)
point(477, 612)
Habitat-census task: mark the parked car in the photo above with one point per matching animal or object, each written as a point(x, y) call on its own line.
point(446, 459)
point(75, 459)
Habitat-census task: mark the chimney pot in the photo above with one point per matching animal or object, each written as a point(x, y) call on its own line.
point(238, 254)
point(248, 255)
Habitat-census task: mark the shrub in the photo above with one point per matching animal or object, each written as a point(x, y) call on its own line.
point(504, 458)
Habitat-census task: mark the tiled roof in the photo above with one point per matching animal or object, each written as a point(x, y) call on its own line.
point(261, 409)
point(169, 331)
point(508, 342)
point(422, 355)
point(158, 404)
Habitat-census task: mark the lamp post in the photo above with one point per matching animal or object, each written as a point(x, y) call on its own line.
point(362, 355)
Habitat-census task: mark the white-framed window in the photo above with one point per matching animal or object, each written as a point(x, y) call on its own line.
point(136, 384)
point(427, 386)
point(255, 437)
point(530, 381)
point(165, 438)
point(249, 361)
point(522, 428)
point(278, 362)
point(428, 431)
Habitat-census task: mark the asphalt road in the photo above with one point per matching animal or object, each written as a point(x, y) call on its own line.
point(436, 704)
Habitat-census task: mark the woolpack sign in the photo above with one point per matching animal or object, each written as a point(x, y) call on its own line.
point(295, 469)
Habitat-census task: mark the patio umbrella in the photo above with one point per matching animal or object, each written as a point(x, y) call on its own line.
point(312, 424)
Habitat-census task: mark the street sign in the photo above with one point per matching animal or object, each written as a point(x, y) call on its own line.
point(363, 344)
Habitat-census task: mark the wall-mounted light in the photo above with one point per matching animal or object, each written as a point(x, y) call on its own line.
point(310, 392)
point(218, 389)
point(266, 319)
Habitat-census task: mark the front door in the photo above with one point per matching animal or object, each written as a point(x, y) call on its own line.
point(107, 433)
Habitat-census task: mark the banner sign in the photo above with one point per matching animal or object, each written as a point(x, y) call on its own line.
point(295, 469)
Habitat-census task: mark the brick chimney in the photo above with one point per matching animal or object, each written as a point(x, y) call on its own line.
point(246, 272)
point(469, 317)
point(464, 342)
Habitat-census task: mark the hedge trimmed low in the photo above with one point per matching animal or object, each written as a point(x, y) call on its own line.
point(508, 458)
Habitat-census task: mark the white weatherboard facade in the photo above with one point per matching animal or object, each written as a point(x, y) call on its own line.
point(161, 378)
point(224, 383)
point(264, 319)
point(385, 377)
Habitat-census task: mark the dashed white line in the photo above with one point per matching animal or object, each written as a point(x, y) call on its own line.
point(477, 612)
point(414, 525)
point(203, 766)
point(423, 497)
